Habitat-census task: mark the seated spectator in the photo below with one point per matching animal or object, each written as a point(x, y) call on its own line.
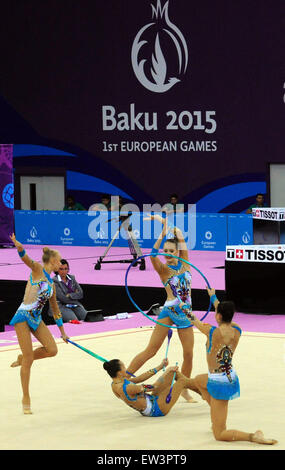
point(68, 294)
point(259, 202)
point(105, 204)
point(173, 205)
point(71, 205)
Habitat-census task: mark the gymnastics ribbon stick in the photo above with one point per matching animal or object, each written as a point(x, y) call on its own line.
point(168, 398)
point(100, 358)
point(168, 342)
point(88, 351)
point(93, 354)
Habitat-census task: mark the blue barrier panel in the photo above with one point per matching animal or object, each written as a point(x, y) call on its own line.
point(68, 227)
point(82, 228)
point(211, 232)
point(240, 229)
point(30, 228)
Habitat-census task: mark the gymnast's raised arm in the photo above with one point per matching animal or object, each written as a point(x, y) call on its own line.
point(157, 264)
point(215, 301)
point(205, 327)
point(34, 266)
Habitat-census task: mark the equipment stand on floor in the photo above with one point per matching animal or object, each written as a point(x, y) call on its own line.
point(134, 247)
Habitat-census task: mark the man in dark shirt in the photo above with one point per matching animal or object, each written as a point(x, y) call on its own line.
point(71, 205)
point(259, 203)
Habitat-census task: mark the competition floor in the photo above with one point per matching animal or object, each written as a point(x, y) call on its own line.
point(74, 408)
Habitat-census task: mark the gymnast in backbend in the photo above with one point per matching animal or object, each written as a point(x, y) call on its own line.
point(28, 317)
point(176, 278)
point(221, 384)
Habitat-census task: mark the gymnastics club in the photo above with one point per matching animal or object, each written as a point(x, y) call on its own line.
point(169, 338)
point(168, 398)
point(88, 351)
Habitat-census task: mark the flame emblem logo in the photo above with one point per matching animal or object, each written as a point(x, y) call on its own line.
point(246, 238)
point(33, 232)
point(150, 66)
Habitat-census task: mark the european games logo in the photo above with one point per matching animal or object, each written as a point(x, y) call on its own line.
point(208, 235)
point(8, 196)
point(66, 231)
point(33, 232)
point(152, 70)
point(246, 238)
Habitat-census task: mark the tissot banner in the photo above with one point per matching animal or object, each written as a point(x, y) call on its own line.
point(6, 194)
point(269, 213)
point(254, 253)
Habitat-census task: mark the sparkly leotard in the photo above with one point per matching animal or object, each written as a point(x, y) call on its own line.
point(39, 292)
point(180, 285)
point(152, 409)
point(223, 382)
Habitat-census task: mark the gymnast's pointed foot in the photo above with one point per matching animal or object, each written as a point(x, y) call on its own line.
point(259, 438)
point(18, 362)
point(186, 395)
point(26, 403)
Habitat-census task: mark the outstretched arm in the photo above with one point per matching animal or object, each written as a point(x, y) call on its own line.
point(149, 374)
point(215, 301)
point(205, 327)
point(34, 266)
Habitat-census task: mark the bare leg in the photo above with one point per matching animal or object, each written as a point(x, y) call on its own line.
point(182, 382)
point(163, 382)
point(219, 412)
point(186, 337)
point(26, 361)
point(44, 336)
point(200, 382)
point(48, 348)
point(158, 336)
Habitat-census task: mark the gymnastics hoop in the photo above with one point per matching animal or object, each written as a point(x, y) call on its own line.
point(155, 321)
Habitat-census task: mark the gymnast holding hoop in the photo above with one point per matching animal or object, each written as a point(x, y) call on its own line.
point(28, 317)
point(176, 278)
point(221, 384)
point(150, 400)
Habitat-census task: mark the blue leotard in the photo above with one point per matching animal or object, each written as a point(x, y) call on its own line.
point(152, 409)
point(223, 384)
point(180, 285)
point(31, 313)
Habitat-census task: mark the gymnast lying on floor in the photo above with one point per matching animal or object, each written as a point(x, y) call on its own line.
point(160, 397)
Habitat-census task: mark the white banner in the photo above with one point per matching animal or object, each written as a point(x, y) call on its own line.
point(256, 253)
point(269, 213)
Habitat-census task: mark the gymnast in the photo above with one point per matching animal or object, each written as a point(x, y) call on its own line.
point(176, 278)
point(28, 317)
point(155, 403)
point(221, 384)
